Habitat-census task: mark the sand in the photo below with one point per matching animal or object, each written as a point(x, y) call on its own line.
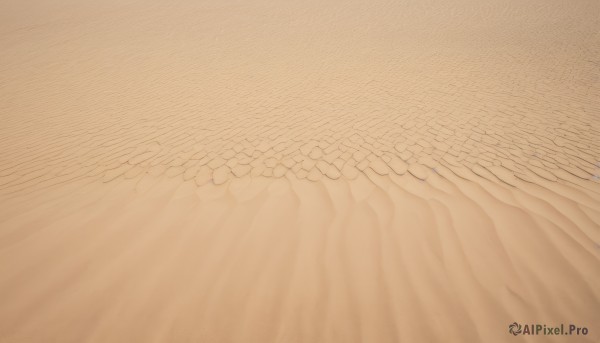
point(279, 171)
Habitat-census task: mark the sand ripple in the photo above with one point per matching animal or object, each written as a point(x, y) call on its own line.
point(261, 171)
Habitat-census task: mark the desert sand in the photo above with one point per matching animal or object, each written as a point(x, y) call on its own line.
point(298, 171)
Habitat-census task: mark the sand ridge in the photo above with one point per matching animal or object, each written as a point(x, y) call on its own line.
point(263, 259)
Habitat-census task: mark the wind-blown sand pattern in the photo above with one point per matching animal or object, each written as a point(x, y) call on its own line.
point(277, 171)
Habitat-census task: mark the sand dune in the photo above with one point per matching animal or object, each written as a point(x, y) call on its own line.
point(261, 171)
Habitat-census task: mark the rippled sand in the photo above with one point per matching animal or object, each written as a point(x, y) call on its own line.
point(278, 171)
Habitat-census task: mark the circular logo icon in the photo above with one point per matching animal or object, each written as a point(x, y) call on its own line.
point(514, 328)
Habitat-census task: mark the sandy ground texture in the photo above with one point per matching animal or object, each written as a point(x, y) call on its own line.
point(298, 171)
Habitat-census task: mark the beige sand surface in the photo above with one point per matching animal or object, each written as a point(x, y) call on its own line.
point(298, 171)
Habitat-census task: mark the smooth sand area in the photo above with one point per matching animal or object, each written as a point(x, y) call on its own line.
point(298, 171)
